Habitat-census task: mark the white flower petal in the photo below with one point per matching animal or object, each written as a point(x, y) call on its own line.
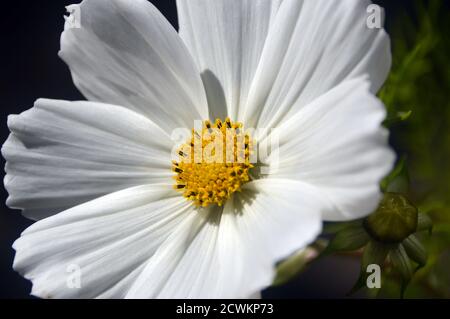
point(126, 53)
point(226, 39)
point(313, 46)
point(61, 154)
point(232, 254)
point(174, 267)
point(108, 240)
point(149, 242)
point(337, 144)
point(278, 218)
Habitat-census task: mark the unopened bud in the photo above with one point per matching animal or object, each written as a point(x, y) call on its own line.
point(394, 220)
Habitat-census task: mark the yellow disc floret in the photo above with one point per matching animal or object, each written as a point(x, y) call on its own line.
point(214, 163)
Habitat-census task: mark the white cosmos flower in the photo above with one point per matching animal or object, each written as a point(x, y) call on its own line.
point(97, 174)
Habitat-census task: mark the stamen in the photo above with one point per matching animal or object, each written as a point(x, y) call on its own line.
point(224, 152)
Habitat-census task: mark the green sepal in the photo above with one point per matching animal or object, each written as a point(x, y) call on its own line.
point(330, 228)
point(349, 239)
point(424, 223)
point(415, 250)
point(374, 253)
point(400, 262)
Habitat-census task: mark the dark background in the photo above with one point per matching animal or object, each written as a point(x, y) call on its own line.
point(30, 32)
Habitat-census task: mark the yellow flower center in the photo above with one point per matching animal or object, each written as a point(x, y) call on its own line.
point(214, 163)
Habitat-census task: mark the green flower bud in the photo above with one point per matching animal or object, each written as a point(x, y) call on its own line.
point(394, 220)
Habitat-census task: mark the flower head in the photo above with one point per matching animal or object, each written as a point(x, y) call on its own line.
point(108, 197)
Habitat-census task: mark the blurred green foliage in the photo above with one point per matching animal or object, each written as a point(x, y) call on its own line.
point(420, 83)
